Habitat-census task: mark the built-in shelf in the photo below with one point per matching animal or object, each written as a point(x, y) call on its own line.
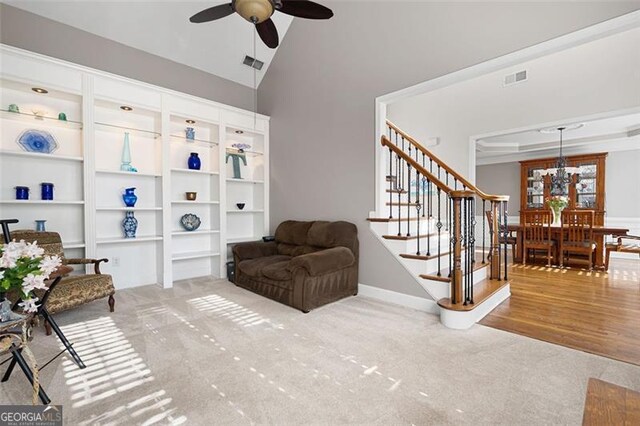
point(248, 153)
point(133, 174)
point(194, 255)
point(131, 130)
point(129, 208)
point(121, 240)
point(197, 172)
point(47, 121)
point(194, 202)
point(235, 240)
point(182, 138)
point(245, 211)
point(53, 202)
point(41, 155)
point(196, 232)
point(253, 181)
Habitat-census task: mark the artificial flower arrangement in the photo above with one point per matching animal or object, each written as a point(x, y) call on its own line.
point(24, 267)
point(557, 202)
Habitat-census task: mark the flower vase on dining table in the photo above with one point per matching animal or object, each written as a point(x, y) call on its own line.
point(557, 203)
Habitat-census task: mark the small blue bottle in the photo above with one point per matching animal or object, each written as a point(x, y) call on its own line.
point(194, 161)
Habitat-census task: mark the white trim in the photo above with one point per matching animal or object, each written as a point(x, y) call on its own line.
point(393, 297)
point(462, 320)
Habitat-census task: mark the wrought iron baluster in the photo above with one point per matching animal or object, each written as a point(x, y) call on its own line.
point(424, 180)
point(391, 184)
point(472, 239)
point(439, 226)
point(483, 230)
point(409, 196)
point(452, 237)
point(418, 207)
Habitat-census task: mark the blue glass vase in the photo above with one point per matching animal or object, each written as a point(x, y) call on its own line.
point(194, 161)
point(47, 190)
point(129, 225)
point(129, 197)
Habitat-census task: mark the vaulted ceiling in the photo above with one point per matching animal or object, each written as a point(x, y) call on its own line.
point(163, 29)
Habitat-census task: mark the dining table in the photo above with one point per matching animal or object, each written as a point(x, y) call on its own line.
point(599, 233)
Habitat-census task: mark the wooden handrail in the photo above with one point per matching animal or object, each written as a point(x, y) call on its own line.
point(442, 164)
point(387, 142)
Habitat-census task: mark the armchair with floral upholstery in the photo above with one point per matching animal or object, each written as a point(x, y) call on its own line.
point(74, 290)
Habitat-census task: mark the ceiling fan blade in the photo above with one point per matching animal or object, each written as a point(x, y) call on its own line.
point(305, 9)
point(213, 13)
point(268, 33)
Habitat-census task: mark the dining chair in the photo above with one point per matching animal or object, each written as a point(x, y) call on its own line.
point(576, 234)
point(509, 239)
point(537, 234)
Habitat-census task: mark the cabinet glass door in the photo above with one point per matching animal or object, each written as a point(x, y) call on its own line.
point(535, 188)
point(586, 186)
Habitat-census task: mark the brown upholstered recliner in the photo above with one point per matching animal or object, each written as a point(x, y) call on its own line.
point(308, 265)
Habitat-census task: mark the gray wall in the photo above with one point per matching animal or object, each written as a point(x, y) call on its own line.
point(321, 86)
point(32, 32)
point(622, 183)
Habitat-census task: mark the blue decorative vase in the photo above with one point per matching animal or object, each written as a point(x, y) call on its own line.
point(129, 225)
point(47, 190)
point(40, 225)
point(22, 192)
point(190, 133)
point(194, 161)
point(129, 197)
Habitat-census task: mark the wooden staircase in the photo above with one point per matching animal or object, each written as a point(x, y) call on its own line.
point(429, 222)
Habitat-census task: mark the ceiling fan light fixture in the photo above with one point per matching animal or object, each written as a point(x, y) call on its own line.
point(255, 11)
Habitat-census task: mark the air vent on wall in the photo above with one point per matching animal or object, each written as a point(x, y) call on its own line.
point(252, 62)
point(516, 77)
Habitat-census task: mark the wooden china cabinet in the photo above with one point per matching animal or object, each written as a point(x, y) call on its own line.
point(586, 191)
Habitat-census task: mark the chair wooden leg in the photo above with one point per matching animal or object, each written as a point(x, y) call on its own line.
point(606, 259)
point(47, 328)
point(112, 303)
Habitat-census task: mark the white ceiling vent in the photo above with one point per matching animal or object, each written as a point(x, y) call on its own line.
point(516, 77)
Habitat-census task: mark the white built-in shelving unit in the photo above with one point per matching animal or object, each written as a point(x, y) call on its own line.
point(88, 210)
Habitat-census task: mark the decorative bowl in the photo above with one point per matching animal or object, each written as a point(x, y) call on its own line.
point(240, 205)
point(33, 140)
point(190, 222)
point(191, 196)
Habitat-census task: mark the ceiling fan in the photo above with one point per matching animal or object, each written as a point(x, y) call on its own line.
point(259, 12)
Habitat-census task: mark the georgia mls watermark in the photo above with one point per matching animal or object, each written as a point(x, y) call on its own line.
point(30, 415)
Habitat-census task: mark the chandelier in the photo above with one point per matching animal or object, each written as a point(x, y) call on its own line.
point(561, 175)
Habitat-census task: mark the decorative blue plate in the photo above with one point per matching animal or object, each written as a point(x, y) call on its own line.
point(37, 141)
point(190, 222)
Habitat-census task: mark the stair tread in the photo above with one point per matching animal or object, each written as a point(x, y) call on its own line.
point(424, 256)
point(402, 204)
point(395, 219)
point(396, 191)
point(411, 237)
point(444, 274)
point(481, 292)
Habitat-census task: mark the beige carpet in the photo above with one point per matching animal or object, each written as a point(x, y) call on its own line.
point(207, 352)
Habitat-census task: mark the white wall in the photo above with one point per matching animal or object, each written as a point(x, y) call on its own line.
point(597, 77)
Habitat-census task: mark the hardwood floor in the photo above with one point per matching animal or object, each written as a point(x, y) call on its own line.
point(596, 312)
point(609, 404)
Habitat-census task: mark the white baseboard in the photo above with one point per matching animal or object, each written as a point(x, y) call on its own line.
point(406, 300)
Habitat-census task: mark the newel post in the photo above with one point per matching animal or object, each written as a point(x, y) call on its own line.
point(461, 228)
point(494, 232)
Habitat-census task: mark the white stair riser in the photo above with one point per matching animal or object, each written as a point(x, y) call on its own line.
point(426, 227)
point(411, 246)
